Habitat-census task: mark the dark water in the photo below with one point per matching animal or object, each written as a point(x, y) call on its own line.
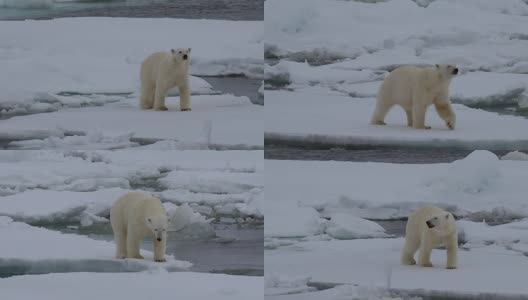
point(186, 9)
point(235, 250)
point(403, 156)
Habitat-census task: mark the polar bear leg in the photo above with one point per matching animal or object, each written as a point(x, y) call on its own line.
point(133, 243)
point(452, 249)
point(445, 111)
point(185, 98)
point(147, 96)
point(426, 247)
point(418, 115)
point(159, 250)
point(121, 244)
point(159, 97)
point(409, 113)
point(407, 255)
point(381, 111)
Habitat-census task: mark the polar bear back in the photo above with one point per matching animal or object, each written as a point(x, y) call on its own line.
point(162, 66)
point(134, 208)
point(399, 86)
point(152, 65)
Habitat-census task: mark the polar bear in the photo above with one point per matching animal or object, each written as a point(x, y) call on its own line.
point(133, 216)
point(414, 89)
point(162, 71)
point(429, 227)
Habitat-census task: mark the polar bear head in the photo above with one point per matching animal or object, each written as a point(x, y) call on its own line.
point(158, 226)
point(447, 71)
point(181, 55)
point(441, 223)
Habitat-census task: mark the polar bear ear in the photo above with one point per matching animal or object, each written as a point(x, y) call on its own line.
point(172, 50)
point(437, 66)
point(189, 49)
point(447, 216)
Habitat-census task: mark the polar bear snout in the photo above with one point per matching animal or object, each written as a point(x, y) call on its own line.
point(185, 56)
point(429, 224)
point(158, 239)
point(455, 71)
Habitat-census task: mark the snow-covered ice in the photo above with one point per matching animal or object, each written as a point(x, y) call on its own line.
point(84, 55)
point(375, 263)
point(40, 250)
point(58, 206)
point(344, 227)
point(76, 79)
point(133, 286)
point(312, 115)
point(279, 220)
point(340, 292)
point(302, 27)
point(49, 186)
point(470, 185)
point(278, 285)
point(223, 121)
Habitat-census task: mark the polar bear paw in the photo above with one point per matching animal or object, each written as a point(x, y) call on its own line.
point(162, 108)
point(426, 264)
point(185, 109)
point(378, 122)
point(160, 259)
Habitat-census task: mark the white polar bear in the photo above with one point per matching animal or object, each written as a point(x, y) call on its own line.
point(133, 216)
point(414, 89)
point(429, 227)
point(162, 71)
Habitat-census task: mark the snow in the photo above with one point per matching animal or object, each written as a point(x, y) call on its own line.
point(83, 54)
point(484, 88)
point(512, 236)
point(212, 182)
point(515, 155)
point(277, 285)
point(216, 121)
point(67, 251)
point(293, 30)
point(346, 122)
point(375, 263)
point(56, 206)
point(343, 226)
point(92, 140)
point(468, 186)
point(342, 292)
point(280, 221)
point(303, 73)
point(133, 286)
point(77, 184)
point(184, 218)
